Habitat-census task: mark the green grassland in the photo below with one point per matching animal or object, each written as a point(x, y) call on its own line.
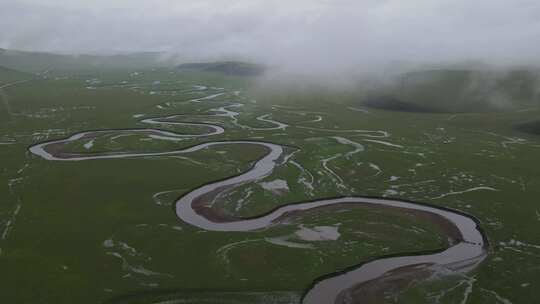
point(104, 231)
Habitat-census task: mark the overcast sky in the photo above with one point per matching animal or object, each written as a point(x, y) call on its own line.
point(306, 32)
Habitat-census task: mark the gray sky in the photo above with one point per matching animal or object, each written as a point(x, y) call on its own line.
point(296, 32)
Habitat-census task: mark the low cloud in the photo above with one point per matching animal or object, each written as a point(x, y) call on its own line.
point(317, 35)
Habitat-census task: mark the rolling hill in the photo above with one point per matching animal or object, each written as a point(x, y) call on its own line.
point(454, 91)
point(8, 75)
point(34, 62)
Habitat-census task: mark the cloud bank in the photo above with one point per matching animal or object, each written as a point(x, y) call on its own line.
point(301, 33)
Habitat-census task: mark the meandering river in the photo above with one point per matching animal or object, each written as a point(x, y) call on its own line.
point(468, 244)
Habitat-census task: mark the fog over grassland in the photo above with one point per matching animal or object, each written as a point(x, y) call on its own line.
point(302, 35)
point(491, 47)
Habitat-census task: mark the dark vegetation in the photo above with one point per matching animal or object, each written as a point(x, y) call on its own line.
point(393, 104)
point(532, 127)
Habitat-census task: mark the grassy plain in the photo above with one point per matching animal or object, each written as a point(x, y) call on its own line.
point(104, 231)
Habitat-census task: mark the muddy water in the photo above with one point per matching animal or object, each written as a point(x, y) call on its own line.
point(467, 252)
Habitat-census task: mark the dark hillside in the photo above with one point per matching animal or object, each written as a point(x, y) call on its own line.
point(231, 68)
point(455, 91)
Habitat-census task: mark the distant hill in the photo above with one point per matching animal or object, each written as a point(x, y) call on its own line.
point(34, 62)
point(455, 91)
point(231, 68)
point(8, 75)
